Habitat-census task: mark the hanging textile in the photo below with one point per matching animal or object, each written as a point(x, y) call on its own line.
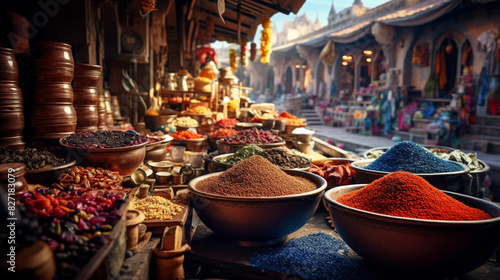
point(484, 81)
point(441, 68)
point(466, 55)
point(415, 59)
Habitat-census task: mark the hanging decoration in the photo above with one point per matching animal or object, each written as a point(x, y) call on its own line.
point(147, 7)
point(233, 59)
point(206, 52)
point(265, 39)
point(253, 52)
point(243, 53)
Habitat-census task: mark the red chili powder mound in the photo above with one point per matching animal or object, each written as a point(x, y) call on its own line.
point(255, 177)
point(407, 195)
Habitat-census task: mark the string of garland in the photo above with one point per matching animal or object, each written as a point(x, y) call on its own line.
point(243, 53)
point(233, 60)
point(265, 39)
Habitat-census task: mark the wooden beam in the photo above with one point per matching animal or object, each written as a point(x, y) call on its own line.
point(191, 7)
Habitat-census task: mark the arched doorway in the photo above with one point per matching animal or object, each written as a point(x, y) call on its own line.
point(446, 66)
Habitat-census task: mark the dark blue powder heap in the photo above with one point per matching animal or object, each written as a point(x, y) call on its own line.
point(314, 256)
point(413, 158)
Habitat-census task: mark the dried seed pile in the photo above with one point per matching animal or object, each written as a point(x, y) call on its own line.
point(252, 136)
point(104, 139)
point(283, 159)
point(33, 159)
point(90, 177)
point(255, 177)
point(157, 208)
point(314, 256)
point(411, 157)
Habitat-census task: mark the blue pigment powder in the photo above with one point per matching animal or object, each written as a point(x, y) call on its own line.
point(314, 256)
point(410, 157)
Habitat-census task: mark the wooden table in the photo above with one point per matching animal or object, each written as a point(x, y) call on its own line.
point(212, 257)
point(185, 93)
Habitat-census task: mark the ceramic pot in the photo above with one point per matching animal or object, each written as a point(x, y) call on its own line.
point(11, 124)
point(87, 75)
point(53, 93)
point(85, 96)
point(86, 116)
point(9, 71)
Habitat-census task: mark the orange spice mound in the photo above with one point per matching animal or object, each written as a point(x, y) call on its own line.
point(255, 177)
point(407, 195)
point(185, 135)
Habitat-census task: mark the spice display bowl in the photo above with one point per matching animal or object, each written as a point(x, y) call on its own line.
point(157, 151)
point(247, 125)
point(424, 247)
point(193, 145)
point(160, 166)
point(457, 181)
point(155, 123)
point(257, 221)
point(47, 176)
point(125, 160)
point(225, 148)
point(183, 128)
point(198, 117)
point(290, 127)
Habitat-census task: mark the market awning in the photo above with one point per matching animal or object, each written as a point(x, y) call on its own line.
point(241, 18)
point(351, 33)
point(315, 40)
point(420, 13)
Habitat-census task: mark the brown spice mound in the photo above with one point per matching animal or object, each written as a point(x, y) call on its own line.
point(255, 177)
point(407, 195)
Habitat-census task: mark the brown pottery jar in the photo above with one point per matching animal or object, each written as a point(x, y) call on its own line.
point(9, 71)
point(87, 75)
point(53, 93)
point(12, 177)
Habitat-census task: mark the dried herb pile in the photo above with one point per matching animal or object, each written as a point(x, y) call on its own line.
point(104, 139)
point(33, 159)
point(252, 136)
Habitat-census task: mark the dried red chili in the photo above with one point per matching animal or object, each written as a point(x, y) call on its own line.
point(223, 132)
point(407, 195)
point(226, 122)
point(252, 136)
point(185, 135)
point(335, 174)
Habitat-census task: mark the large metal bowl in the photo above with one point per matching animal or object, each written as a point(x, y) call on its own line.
point(155, 123)
point(157, 151)
point(125, 160)
point(430, 248)
point(192, 145)
point(257, 221)
point(225, 148)
point(457, 181)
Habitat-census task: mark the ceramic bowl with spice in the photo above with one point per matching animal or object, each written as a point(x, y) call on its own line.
point(161, 166)
point(261, 219)
point(456, 181)
point(113, 150)
point(411, 246)
point(47, 176)
point(194, 145)
point(374, 153)
point(247, 125)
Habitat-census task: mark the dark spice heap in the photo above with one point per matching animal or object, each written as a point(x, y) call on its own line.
point(411, 157)
point(104, 139)
point(407, 195)
point(255, 177)
point(33, 159)
point(283, 159)
point(314, 256)
point(252, 136)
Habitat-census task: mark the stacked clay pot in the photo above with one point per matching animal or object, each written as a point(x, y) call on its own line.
point(101, 113)
point(85, 93)
point(11, 102)
point(53, 114)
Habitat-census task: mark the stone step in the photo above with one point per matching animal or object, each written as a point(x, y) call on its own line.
point(487, 120)
point(481, 143)
point(484, 130)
